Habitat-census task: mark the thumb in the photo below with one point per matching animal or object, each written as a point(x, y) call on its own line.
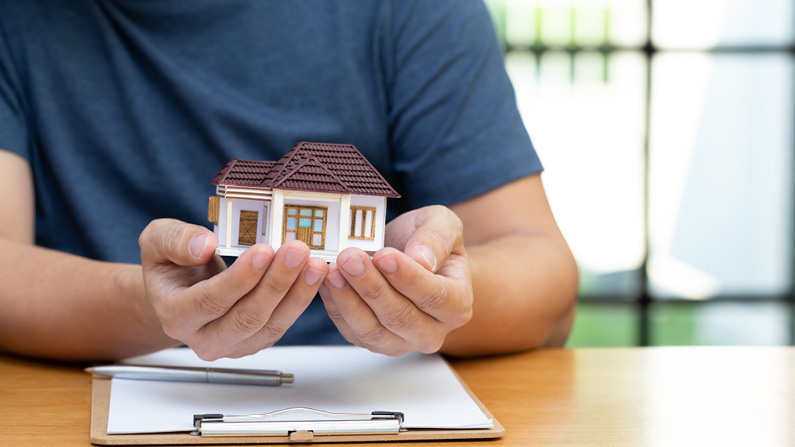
point(176, 242)
point(439, 233)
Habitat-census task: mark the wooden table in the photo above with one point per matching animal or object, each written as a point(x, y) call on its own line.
point(704, 396)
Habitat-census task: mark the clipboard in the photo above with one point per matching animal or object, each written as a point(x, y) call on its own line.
point(100, 406)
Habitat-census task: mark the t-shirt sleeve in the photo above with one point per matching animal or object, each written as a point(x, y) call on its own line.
point(455, 127)
point(14, 132)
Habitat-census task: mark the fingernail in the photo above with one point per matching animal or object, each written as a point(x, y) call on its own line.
point(354, 266)
point(388, 264)
point(293, 258)
point(428, 256)
point(335, 278)
point(312, 276)
point(198, 244)
point(261, 260)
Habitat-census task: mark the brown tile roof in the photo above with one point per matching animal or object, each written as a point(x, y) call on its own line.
point(319, 167)
point(310, 175)
point(239, 172)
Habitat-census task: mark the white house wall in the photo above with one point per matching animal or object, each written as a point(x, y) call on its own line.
point(379, 203)
point(228, 227)
point(220, 227)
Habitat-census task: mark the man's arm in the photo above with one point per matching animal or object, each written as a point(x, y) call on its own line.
point(493, 275)
point(524, 277)
point(67, 307)
point(63, 306)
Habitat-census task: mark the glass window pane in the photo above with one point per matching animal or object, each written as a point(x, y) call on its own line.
point(368, 224)
point(317, 240)
point(357, 230)
point(318, 225)
point(687, 323)
point(318, 213)
point(603, 324)
point(721, 174)
point(626, 22)
point(291, 223)
point(555, 22)
point(589, 19)
point(304, 223)
point(558, 23)
point(520, 21)
point(588, 131)
point(291, 211)
point(306, 212)
point(710, 23)
point(289, 237)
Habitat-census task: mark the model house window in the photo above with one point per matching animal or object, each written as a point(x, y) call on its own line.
point(362, 223)
point(305, 223)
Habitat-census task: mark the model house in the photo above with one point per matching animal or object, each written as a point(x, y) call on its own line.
point(326, 195)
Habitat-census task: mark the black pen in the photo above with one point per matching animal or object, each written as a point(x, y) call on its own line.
point(194, 374)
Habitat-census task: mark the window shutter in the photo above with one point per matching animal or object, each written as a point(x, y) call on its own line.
point(212, 210)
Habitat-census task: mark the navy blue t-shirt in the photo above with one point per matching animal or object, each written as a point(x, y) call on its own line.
point(127, 109)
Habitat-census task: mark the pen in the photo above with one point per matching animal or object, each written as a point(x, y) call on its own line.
point(194, 374)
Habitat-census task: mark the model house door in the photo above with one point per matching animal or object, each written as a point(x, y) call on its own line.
point(307, 224)
point(247, 234)
point(304, 231)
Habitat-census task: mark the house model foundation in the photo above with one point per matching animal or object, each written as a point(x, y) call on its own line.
point(326, 195)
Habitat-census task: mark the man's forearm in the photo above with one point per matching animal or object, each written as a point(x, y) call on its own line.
point(525, 288)
point(62, 306)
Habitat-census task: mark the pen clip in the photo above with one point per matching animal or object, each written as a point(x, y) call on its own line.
point(330, 424)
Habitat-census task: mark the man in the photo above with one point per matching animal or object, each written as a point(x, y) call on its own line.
point(114, 115)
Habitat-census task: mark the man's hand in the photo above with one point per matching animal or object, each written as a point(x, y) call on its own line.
point(411, 294)
point(223, 312)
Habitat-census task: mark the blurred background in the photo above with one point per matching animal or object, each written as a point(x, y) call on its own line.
point(666, 131)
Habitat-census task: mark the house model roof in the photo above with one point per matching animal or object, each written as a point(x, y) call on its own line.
point(318, 167)
point(239, 172)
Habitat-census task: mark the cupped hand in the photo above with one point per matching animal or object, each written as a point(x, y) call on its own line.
point(411, 294)
point(219, 311)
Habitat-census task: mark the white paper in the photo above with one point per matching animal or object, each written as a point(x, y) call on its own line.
point(343, 379)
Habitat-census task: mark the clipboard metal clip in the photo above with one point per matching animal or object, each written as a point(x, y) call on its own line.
point(301, 430)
